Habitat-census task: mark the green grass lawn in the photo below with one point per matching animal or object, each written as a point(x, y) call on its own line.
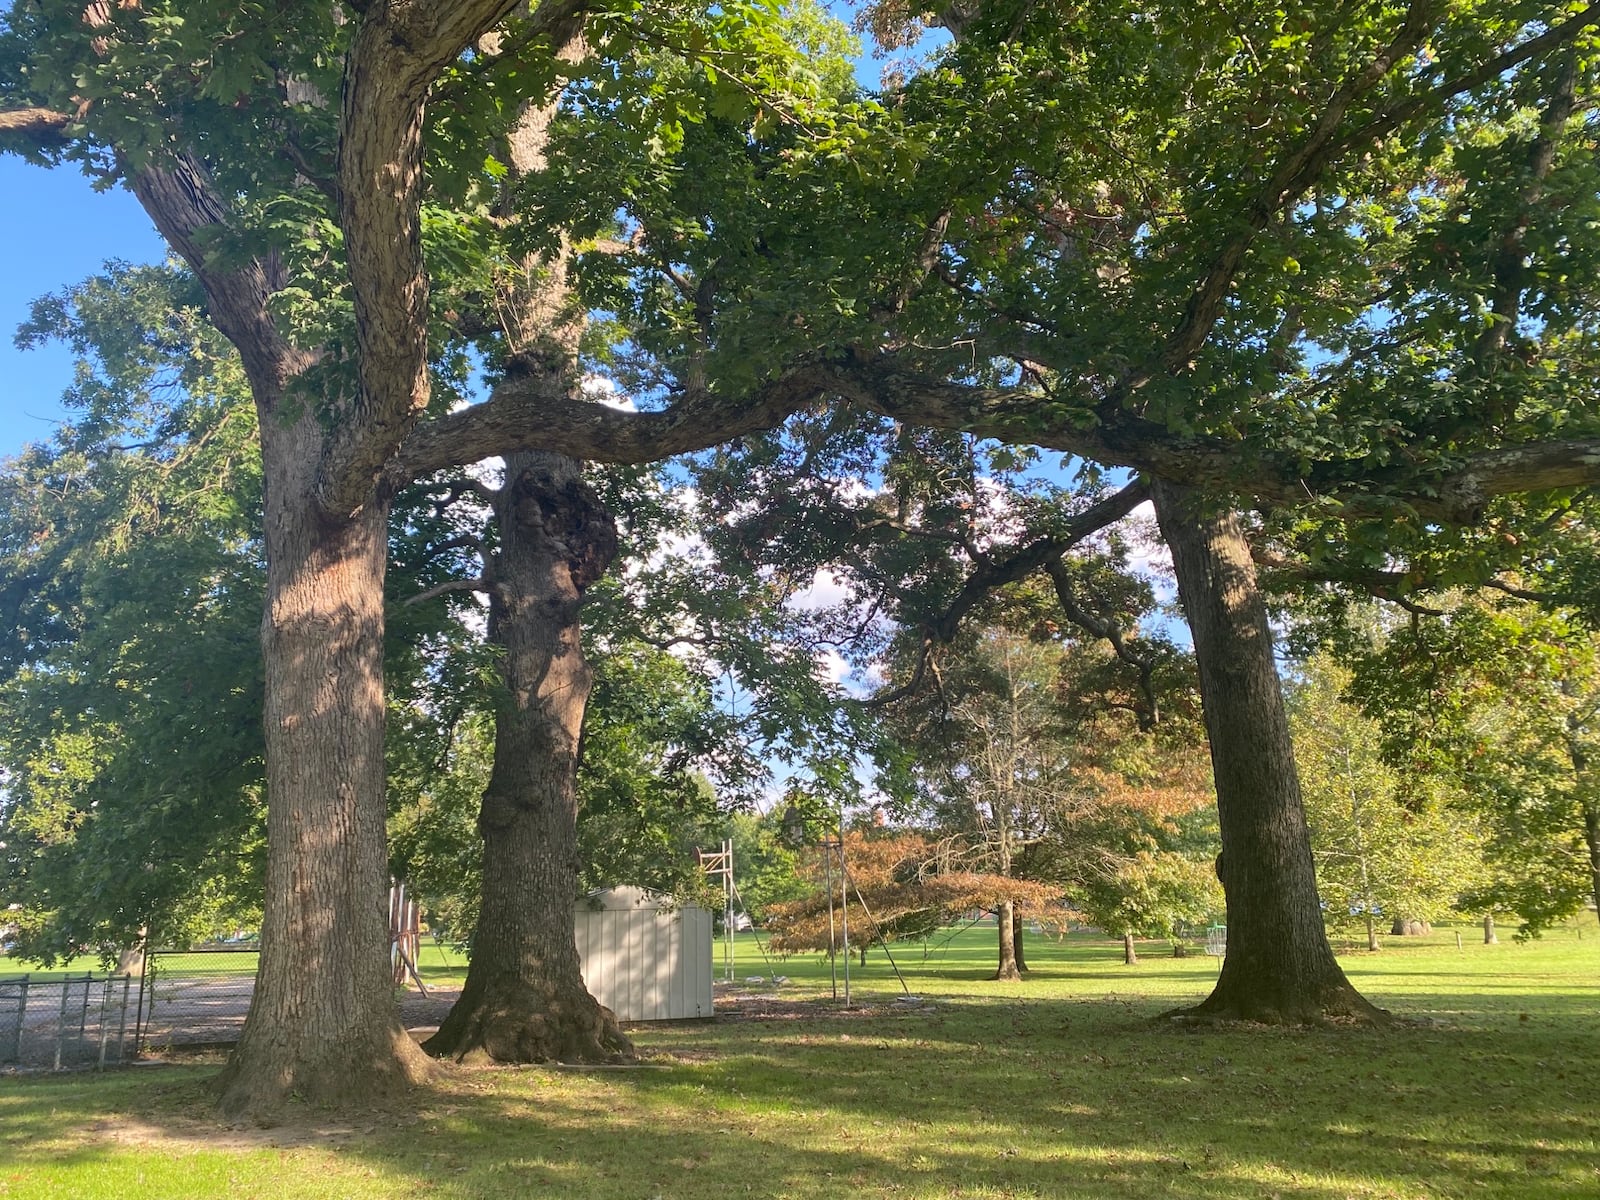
point(1059, 1086)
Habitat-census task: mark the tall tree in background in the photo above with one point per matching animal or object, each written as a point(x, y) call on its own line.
point(1387, 846)
point(1501, 698)
point(130, 686)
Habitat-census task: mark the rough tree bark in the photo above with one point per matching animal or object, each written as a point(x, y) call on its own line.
point(525, 999)
point(322, 1023)
point(1008, 967)
point(1279, 967)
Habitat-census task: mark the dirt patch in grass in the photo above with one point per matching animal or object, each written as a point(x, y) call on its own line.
point(734, 1004)
point(191, 1134)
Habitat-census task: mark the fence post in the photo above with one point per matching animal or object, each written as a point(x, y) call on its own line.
point(11, 1039)
point(104, 1021)
point(122, 1024)
point(138, 1016)
point(61, 1017)
point(83, 1016)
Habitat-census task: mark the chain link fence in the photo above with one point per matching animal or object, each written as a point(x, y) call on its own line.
point(56, 1022)
point(195, 997)
point(180, 999)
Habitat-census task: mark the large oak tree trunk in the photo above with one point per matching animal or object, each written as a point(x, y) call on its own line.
point(525, 999)
point(1279, 967)
point(322, 1023)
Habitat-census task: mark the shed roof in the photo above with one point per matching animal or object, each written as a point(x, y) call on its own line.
point(625, 897)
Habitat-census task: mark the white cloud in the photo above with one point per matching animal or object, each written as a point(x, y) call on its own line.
point(1148, 554)
point(826, 589)
point(603, 391)
point(833, 666)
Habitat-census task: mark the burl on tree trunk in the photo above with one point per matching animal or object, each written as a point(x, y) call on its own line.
point(524, 999)
point(1279, 967)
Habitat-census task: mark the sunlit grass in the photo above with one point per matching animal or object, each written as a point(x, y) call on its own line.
point(1060, 1086)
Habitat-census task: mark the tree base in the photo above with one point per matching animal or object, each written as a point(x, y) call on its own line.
point(1334, 1004)
point(523, 1024)
point(257, 1086)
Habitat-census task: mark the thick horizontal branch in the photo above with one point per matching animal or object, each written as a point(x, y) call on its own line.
point(527, 413)
point(522, 415)
point(41, 128)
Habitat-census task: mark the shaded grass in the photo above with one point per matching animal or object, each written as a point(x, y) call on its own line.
point(1057, 1086)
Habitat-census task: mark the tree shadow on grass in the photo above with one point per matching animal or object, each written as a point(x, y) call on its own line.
point(1065, 1098)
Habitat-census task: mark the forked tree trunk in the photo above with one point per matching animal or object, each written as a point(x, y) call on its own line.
point(1130, 957)
point(1279, 967)
point(524, 999)
point(322, 1022)
point(1005, 929)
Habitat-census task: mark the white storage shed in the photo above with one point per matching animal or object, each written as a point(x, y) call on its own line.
point(645, 957)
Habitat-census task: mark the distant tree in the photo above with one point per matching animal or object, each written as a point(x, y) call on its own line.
point(1501, 697)
point(1387, 845)
point(130, 688)
point(899, 888)
point(1150, 894)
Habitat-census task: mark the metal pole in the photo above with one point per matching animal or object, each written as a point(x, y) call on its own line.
point(83, 1017)
point(144, 986)
point(105, 1025)
point(833, 946)
point(122, 1024)
point(727, 900)
point(844, 910)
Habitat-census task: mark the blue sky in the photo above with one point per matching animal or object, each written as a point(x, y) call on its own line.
point(59, 231)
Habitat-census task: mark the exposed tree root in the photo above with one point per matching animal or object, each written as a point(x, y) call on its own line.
point(1336, 1005)
point(521, 1023)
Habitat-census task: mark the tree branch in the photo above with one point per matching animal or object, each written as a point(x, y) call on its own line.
point(398, 51)
point(41, 128)
point(1148, 712)
point(449, 585)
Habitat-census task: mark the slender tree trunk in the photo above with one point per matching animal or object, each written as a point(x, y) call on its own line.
point(525, 999)
point(1490, 938)
point(1591, 807)
point(1279, 967)
point(322, 1022)
point(1591, 838)
point(1130, 957)
point(1017, 947)
point(1005, 929)
point(1372, 932)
